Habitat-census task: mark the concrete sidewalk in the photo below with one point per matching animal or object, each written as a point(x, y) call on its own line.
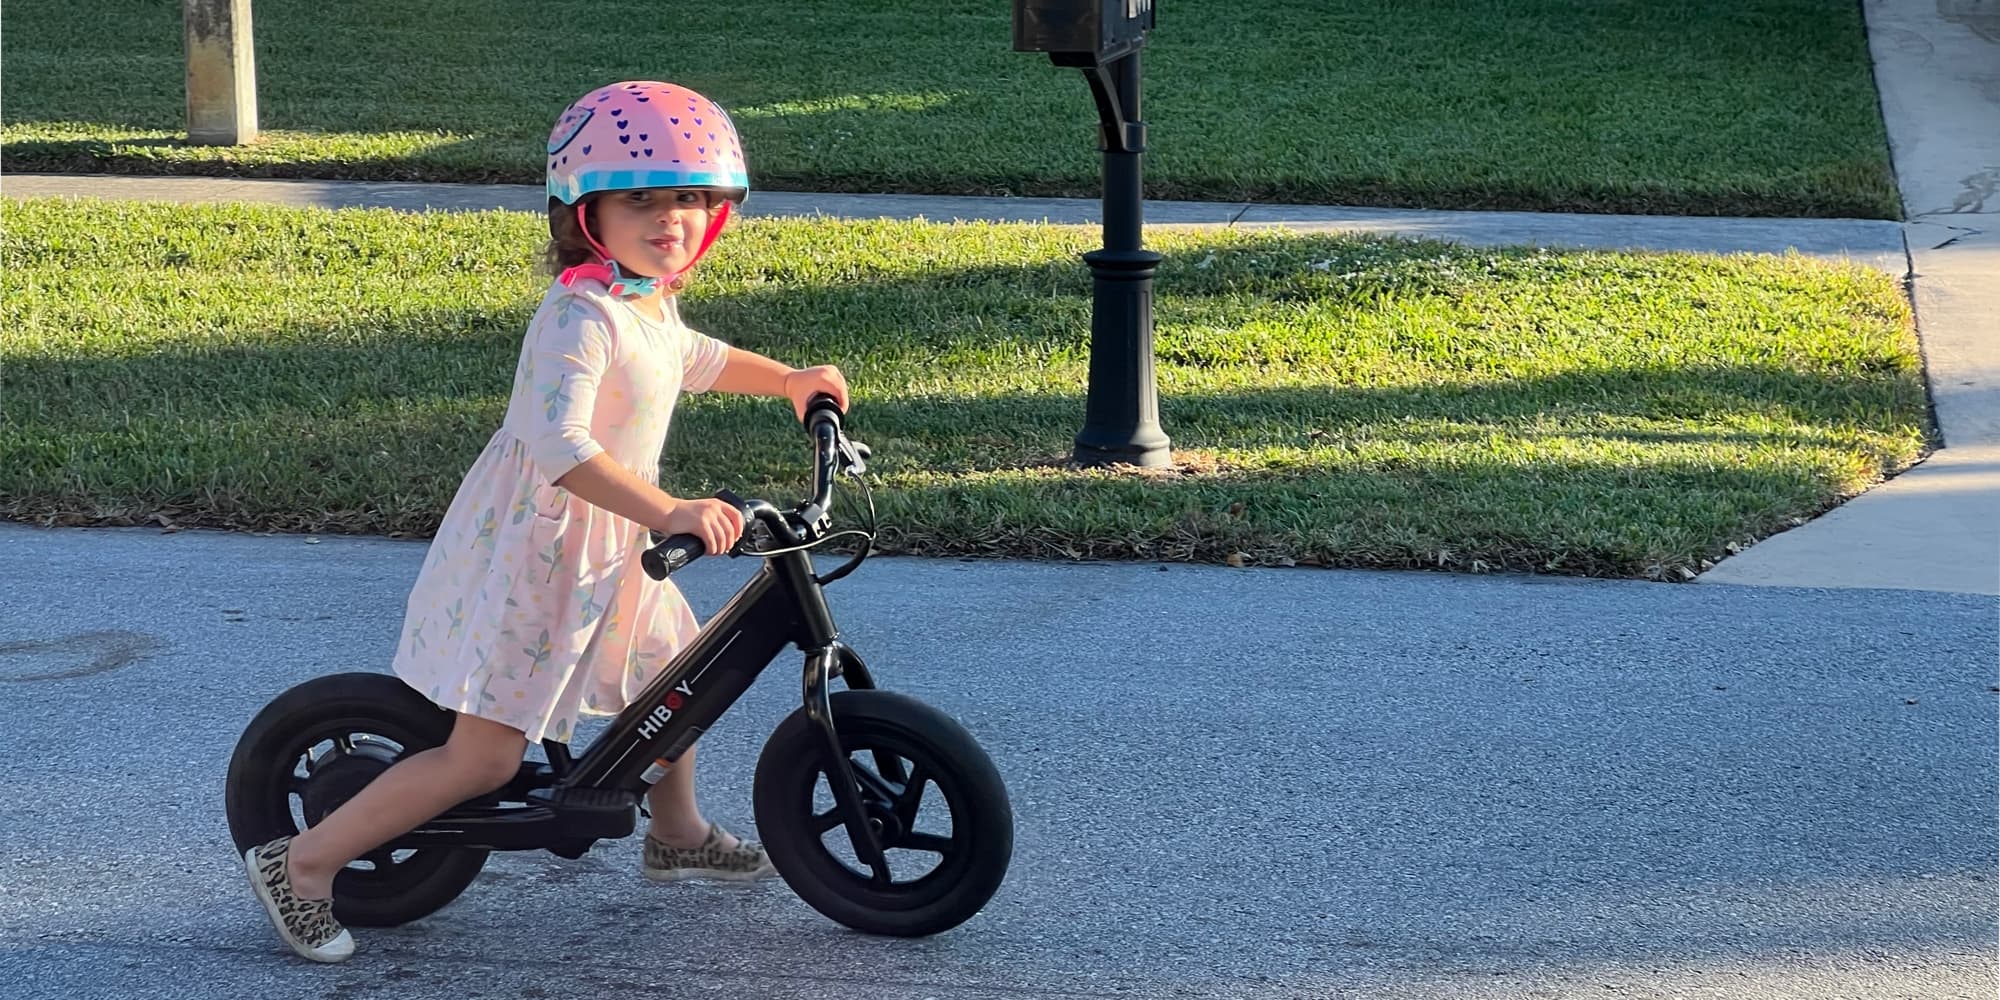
point(1937, 526)
point(1874, 242)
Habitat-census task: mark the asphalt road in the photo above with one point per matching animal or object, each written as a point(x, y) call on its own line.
point(1228, 783)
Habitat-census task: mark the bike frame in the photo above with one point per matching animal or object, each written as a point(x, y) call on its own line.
point(783, 604)
point(575, 802)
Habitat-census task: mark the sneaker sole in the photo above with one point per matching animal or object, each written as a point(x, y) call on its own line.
point(706, 875)
point(278, 921)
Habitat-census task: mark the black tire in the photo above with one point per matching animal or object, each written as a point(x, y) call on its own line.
point(872, 724)
point(263, 783)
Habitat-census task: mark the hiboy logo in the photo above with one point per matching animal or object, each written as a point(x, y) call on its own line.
point(665, 710)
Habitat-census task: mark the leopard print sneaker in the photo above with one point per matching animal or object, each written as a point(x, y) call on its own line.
point(745, 862)
point(305, 924)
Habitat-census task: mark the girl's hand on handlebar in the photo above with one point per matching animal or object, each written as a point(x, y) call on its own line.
point(805, 383)
point(716, 523)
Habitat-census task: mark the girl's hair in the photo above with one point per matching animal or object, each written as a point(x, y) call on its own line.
point(568, 246)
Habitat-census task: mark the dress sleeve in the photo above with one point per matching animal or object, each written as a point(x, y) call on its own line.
point(702, 359)
point(569, 349)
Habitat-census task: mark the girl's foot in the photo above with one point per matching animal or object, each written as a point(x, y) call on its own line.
point(720, 855)
point(305, 924)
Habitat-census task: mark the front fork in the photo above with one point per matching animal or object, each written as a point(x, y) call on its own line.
point(822, 666)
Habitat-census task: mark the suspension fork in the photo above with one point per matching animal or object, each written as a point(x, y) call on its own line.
point(836, 660)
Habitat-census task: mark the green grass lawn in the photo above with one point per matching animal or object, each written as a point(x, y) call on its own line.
point(1756, 107)
point(1332, 401)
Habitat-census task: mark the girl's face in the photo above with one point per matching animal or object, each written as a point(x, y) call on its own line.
point(655, 231)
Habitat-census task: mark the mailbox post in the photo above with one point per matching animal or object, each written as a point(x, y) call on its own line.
point(1102, 38)
point(221, 72)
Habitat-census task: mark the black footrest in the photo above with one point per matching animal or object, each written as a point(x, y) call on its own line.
point(551, 818)
point(581, 800)
point(588, 814)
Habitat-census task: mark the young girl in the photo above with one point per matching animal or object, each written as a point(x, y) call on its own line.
point(530, 608)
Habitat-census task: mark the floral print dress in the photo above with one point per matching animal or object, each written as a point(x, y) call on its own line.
point(531, 607)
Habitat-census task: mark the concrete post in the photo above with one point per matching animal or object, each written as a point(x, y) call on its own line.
point(221, 73)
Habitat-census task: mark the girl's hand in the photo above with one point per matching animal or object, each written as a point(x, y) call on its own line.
point(803, 384)
point(716, 523)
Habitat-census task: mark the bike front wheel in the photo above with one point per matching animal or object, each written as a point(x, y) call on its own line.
point(930, 794)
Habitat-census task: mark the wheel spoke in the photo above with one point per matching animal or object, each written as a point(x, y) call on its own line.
point(344, 742)
point(928, 842)
point(826, 821)
point(912, 798)
point(872, 783)
point(382, 858)
point(890, 766)
point(882, 877)
point(872, 787)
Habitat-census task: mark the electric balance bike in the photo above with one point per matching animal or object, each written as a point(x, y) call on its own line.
point(878, 810)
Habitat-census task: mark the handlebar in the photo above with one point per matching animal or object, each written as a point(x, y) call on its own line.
point(823, 420)
point(663, 559)
point(830, 449)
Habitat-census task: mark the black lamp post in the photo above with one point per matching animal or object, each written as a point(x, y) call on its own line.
point(1121, 422)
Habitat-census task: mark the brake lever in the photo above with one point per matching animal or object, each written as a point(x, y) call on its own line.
point(856, 454)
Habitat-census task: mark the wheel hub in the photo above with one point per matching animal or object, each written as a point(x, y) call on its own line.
point(341, 773)
point(883, 821)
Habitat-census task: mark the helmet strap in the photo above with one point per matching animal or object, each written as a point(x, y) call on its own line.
point(708, 239)
point(608, 271)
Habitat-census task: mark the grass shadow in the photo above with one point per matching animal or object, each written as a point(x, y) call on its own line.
point(1335, 401)
point(1380, 477)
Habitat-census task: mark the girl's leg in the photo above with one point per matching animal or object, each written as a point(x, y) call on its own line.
point(677, 844)
point(481, 755)
point(677, 820)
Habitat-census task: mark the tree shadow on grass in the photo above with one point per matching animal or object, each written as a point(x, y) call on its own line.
point(464, 161)
point(1339, 477)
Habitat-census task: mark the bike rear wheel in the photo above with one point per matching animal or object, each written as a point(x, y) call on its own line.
point(313, 748)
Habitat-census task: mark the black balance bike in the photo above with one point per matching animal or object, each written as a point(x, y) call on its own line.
point(847, 790)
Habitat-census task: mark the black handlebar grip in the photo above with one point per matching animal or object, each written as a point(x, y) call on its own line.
point(821, 405)
point(671, 554)
point(663, 559)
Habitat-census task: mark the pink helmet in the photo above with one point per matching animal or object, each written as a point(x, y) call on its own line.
point(645, 134)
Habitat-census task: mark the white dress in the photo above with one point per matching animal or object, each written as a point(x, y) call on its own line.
point(531, 607)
